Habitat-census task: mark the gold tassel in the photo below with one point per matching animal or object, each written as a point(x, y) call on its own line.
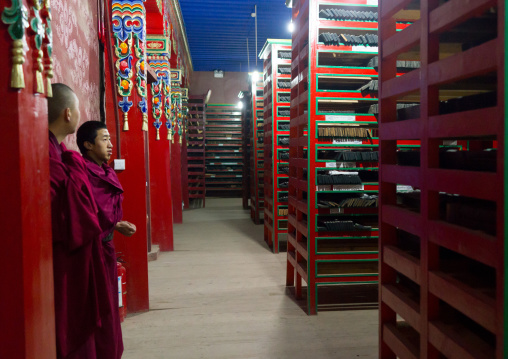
point(145, 122)
point(180, 140)
point(18, 58)
point(49, 76)
point(125, 121)
point(170, 135)
point(38, 73)
point(158, 136)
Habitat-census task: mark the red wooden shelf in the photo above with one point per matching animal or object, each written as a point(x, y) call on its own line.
point(455, 267)
point(197, 117)
point(219, 128)
point(275, 212)
point(325, 93)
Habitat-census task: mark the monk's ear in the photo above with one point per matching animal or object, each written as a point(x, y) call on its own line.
point(67, 114)
point(88, 145)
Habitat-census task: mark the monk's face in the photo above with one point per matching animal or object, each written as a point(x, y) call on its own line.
point(102, 149)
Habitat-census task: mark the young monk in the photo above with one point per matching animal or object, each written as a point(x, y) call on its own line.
point(95, 145)
point(81, 289)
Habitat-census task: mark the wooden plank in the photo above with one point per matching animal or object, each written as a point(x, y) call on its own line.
point(407, 308)
point(402, 218)
point(454, 341)
point(464, 124)
point(482, 185)
point(388, 8)
point(470, 63)
point(400, 344)
point(454, 12)
point(402, 41)
point(469, 301)
point(402, 85)
point(400, 130)
point(473, 244)
point(406, 175)
point(402, 262)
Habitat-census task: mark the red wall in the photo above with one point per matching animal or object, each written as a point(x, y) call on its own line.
point(76, 54)
point(26, 263)
point(176, 179)
point(134, 181)
point(161, 199)
point(224, 90)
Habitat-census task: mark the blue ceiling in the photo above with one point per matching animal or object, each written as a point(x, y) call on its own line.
point(217, 31)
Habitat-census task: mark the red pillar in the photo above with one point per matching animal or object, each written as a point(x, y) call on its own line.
point(134, 181)
point(176, 179)
point(26, 259)
point(185, 172)
point(161, 200)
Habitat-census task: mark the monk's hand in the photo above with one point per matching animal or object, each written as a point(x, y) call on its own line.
point(125, 228)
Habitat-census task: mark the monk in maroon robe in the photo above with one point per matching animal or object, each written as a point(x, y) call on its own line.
point(81, 289)
point(95, 145)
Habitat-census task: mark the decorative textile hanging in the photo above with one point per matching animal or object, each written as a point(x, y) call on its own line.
point(16, 17)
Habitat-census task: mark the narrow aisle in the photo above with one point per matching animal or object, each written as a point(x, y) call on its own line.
point(221, 295)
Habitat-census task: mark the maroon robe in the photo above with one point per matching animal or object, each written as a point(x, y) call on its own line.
point(108, 194)
point(81, 289)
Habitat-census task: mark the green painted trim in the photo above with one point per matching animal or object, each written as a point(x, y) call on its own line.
point(505, 309)
point(344, 4)
point(309, 99)
point(346, 283)
point(354, 237)
point(346, 75)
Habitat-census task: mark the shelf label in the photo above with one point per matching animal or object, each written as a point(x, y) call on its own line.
point(216, 157)
point(212, 163)
point(325, 187)
point(238, 175)
point(336, 210)
point(339, 118)
point(221, 144)
point(348, 187)
point(339, 141)
point(404, 188)
point(372, 49)
point(331, 164)
point(372, 2)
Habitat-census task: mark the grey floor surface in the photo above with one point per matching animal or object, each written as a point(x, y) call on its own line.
point(221, 294)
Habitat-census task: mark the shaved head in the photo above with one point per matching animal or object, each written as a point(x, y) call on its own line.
point(63, 97)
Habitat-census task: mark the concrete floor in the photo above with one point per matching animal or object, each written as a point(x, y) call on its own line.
point(221, 295)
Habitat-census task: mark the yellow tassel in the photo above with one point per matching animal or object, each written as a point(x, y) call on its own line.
point(126, 122)
point(18, 58)
point(50, 90)
point(158, 135)
point(49, 77)
point(145, 122)
point(38, 73)
point(180, 140)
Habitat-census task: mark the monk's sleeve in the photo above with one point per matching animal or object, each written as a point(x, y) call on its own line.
point(82, 210)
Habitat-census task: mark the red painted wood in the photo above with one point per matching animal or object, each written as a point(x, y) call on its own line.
point(402, 40)
point(176, 180)
point(184, 171)
point(407, 308)
point(485, 306)
point(132, 249)
point(472, 62)
point(26, 259)
point(160, 190)
point(403, 262)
